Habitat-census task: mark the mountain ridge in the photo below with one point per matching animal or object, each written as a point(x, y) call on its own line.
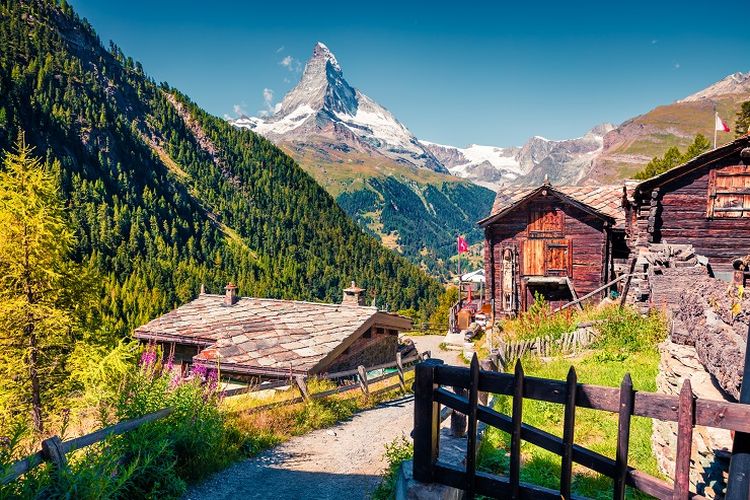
point(377, 170)
point(165, 197)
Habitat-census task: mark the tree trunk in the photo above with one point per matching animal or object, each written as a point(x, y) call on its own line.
point(36, 397)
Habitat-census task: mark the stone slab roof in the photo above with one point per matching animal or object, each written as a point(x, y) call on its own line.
point(605, 199)
point(266, 335)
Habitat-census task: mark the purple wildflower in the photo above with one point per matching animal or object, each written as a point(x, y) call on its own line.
point(199, 371)
point(212, 378)
point(148, 356)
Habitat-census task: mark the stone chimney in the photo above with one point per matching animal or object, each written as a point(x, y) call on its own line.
point(230, 298)
point(354, 296)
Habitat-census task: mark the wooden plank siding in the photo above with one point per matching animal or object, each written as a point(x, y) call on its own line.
point(684, 215)
point(577, 247)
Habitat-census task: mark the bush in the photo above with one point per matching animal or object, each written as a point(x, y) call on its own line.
point(157, 459)
point(396, 453)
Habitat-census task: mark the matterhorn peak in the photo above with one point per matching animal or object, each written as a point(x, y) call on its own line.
point(324, 105)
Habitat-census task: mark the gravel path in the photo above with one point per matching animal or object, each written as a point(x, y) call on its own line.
point(341, 462)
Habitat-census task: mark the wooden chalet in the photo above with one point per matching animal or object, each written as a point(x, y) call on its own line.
point(250, 337)
point(704, 202)
point(559, 241)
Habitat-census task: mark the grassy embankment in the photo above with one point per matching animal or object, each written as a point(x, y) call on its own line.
point(204, 434)
point(627, 344)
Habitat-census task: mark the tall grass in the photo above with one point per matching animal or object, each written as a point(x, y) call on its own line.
point(627, 344)
point(156, 460)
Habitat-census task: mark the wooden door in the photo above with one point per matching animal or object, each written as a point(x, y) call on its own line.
point(533, 258)
point(557, 257)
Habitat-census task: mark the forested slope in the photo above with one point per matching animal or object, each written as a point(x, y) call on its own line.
point(164, 196)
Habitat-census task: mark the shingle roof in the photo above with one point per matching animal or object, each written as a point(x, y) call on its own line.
point(265, 334)
point(606, 200)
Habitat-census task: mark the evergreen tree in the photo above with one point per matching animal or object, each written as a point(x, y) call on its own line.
point(742, 126)
point(672, 157)
point(36, 309)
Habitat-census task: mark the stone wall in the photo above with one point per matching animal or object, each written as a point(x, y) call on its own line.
point(378, 349)
point(711, 315)
point(710, 446)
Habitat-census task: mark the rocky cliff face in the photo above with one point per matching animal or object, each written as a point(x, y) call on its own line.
point(561, 162)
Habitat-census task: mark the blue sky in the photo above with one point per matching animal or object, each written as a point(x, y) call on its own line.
point(452, 72)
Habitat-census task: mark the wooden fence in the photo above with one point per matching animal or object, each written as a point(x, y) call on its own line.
point(54, 449)
point(430, 392)
point(580, 338)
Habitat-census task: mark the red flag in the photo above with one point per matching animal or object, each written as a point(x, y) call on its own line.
point(720, 125)
point(462, 245)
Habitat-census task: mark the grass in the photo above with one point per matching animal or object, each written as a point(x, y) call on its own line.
point(627, 344)
point(273, 426)
point(396, 453)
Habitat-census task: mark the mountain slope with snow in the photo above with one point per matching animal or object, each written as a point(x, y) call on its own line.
point(561, 162)
point(377, 170)
point(323, 109)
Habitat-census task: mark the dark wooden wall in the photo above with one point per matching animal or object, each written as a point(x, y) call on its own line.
point(589, 244)
point(682, 218)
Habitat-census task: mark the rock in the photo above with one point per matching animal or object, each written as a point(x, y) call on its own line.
point(407, 488)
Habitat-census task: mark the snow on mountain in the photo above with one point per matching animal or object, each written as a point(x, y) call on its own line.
point(564, 161)
point(736, 83)
point(324, 110)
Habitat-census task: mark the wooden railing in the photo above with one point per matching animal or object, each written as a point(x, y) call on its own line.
point(54, 449)
point(432, 378)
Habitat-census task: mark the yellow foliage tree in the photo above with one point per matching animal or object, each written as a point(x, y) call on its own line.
point(36, 282)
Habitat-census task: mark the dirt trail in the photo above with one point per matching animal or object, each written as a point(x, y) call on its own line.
point(341, 462)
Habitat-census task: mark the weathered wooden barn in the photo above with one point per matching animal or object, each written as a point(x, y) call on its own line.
point(559, 241)
point(251, 337)
point(704, 202)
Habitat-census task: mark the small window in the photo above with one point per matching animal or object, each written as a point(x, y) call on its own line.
point(729, 192)
point(545, 221)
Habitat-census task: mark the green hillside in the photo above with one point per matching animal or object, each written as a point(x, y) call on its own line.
point(415, 212)
point(634, 143)
point(165, 196)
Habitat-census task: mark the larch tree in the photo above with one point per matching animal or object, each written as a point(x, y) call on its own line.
point(37, 313)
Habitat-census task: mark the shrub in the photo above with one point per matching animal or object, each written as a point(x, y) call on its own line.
point(157, 459)
point(396, 452)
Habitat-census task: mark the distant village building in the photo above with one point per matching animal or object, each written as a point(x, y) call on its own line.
point(567, 241)
point(249, 337)
point(561, 242)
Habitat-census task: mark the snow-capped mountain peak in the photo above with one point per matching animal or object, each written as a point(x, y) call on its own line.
point(323, 107)
point(736, 83)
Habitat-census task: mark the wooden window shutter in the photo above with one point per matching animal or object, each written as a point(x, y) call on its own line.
point(729, 192)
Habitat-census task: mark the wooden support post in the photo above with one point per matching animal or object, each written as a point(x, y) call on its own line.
point(458, 419)
point(486, 365)
point(426, 420)
point(627, 398)
point(400, 368)
point(738, 484)
point(302, 386)
point(685, 421)
point(515, 436)
point(471, 442)
point(362, 375)
point(566, 470)
point(54, 452)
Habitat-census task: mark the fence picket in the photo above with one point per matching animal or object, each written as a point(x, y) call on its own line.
point(471, 443)
point(515, 437)
point(623, 436)
point(566, 469)
point(685, 421)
